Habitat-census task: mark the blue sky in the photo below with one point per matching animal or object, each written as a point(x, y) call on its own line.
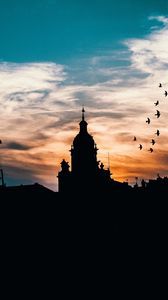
point(62, 30)
point(56, 56)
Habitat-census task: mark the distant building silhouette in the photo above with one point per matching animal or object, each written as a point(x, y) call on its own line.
point(87, 174)
point(23, 192)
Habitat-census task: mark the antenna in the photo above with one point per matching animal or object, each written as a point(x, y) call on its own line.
point(2, 178)
point(108, 161)
point(1, 173)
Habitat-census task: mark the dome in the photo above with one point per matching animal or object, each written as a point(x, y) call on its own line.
point(84, 140)
point(83, 152)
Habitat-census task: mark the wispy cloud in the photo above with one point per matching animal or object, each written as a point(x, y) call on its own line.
point(17, 146)
point(40, 109)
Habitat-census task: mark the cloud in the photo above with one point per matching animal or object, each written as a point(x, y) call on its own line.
point(17, 146)
point(40, 107)
point(161, 19)
point(149, 55)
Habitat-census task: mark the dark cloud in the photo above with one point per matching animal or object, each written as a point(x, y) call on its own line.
point(39, 136)
point(16, 97)
point(17, 146)
point(60, 103)
point(21, 96)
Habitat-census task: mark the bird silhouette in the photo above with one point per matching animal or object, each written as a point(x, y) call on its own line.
point(165, 93)
point(157, 132)
point(140, 147)
point(156, 103)
point(153, 142)
point(148, 121)
point(151, 150)
point(157, 114)
point(134, 139)
point(160, 85)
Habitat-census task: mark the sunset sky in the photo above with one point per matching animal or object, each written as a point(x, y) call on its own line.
point(57, 55)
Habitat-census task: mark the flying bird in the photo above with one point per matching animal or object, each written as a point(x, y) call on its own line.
point(151, 150)
point(134, 138)
point(160, 85)
point(156, 103)
point(153, 142)
point(140, 147)
point(157, 114)
point(157, 132)
point(165, 93)
point(148, 121)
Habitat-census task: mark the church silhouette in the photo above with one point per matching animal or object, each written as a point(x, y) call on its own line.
point(88, 197)
point(87, 174)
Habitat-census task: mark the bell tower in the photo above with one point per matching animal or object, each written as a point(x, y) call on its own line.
point(83, 151)
point(85, 175)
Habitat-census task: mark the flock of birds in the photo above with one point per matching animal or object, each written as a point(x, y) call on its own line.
point(153, 142)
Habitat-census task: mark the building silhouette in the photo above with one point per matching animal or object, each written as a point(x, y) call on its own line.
point(87, 173)
point(88, 202)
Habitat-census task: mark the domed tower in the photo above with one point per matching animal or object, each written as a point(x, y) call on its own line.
point(85, 175)
point(84, 152)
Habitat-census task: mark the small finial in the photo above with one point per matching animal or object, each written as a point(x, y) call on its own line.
point(83, 113)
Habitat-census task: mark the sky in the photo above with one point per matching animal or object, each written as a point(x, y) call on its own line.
point(58, 55)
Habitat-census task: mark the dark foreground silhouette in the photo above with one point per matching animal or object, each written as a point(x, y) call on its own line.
point(135, 214)
point(119, 238)
point(91, 223)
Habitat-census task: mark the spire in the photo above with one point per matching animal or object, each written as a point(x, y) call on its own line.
point(83, 114)
point(83, 123)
